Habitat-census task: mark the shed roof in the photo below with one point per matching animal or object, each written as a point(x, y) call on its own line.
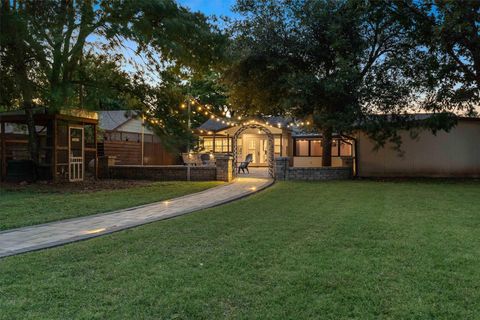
point(111, 119)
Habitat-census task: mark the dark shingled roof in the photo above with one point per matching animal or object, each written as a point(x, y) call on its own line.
point(213, 125)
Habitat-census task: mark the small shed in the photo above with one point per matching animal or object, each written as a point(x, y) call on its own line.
point(67, 144)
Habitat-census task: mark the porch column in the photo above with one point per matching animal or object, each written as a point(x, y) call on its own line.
point(228, 143)
point(224, 164)
point(213, 142)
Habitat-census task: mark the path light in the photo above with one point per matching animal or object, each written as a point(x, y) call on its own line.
point(166, 202)
point(253, 188)
point(94, 231)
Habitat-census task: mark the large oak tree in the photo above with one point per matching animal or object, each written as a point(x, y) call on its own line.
point(337, 62)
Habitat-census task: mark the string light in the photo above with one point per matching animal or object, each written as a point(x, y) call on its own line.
point(206, 110)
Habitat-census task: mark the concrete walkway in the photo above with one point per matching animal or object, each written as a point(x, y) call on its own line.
point(52, 234)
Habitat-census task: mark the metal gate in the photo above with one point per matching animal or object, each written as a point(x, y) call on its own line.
point(76, 153)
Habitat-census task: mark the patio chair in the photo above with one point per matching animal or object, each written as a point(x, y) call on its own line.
point(244, 165)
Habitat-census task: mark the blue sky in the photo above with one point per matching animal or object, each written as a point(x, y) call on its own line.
point(209, 7)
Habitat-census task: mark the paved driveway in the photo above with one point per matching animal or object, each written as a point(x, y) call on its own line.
point(65, 231)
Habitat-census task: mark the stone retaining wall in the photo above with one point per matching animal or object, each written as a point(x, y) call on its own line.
point(220, 172)
point(163, 173)
point(284, 172)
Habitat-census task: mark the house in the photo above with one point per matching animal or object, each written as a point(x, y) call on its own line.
point(447, 154)
point(130, 141)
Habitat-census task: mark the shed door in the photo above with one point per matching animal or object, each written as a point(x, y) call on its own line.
point(76, 152)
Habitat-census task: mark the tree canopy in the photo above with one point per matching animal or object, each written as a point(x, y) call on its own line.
point(449, 32)
point(340, 63)
point(64, 54)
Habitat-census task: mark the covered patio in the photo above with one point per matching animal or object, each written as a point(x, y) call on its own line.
point(263, 141)
point(253, 138)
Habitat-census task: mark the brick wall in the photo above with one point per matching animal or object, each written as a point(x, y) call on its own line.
point(284, 172)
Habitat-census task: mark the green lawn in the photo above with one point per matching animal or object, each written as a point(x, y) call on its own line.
point(34, 204)
point(336, 250)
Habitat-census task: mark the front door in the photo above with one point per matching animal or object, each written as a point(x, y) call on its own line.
point(76, 153)
point(257, 146)
point(263, 152)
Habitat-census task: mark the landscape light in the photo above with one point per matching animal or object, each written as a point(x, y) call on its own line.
point(94, 231)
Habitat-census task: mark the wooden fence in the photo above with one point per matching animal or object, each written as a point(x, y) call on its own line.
point(130, 153)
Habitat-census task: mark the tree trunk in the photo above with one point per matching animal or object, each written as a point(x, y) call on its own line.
point(327, 147)
point(17, 48)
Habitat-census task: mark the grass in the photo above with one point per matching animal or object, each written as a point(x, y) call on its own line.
point(336, 250)
point(34, 204)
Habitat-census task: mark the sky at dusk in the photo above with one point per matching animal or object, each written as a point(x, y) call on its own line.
point(209, 7)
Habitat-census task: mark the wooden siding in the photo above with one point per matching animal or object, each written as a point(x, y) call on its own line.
point(130, 153)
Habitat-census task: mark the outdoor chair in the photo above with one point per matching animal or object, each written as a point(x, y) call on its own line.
point(244, 165)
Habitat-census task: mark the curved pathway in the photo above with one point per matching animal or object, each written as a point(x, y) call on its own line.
point(52, 234)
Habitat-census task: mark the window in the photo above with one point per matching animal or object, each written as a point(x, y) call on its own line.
point(301, 148)
point(221, 144)
point(335, 148)
point(314, 148)
point(345, 149)
point(278, 146)
point(208, 145)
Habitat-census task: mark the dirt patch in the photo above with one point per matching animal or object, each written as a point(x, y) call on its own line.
point(75, 187)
